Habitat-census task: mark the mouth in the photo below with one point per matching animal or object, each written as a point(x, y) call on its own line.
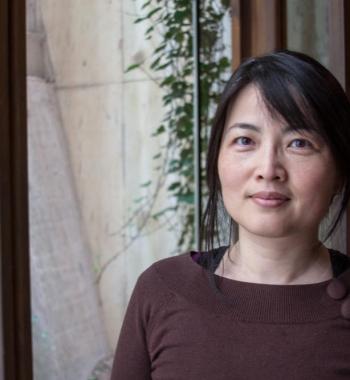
point(269, 199)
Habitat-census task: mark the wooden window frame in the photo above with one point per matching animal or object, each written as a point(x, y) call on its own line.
point(14, 228)
point(257, 27)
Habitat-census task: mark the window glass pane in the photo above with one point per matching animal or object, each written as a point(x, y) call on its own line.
point(307, 28)
point(100, 169)
point(90, 149)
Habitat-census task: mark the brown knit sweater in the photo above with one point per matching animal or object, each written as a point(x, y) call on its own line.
point(177, 327)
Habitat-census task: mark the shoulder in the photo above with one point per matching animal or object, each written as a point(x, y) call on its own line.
point(164, 266)
point(162, 283)
point(166, 271)
point(158, 278)
point(179, 276)
point(186, 265)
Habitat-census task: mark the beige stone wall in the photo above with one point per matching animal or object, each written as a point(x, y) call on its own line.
point(108, 116)
point(68, 330)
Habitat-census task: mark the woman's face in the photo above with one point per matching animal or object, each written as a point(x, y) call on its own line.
point(275, 182)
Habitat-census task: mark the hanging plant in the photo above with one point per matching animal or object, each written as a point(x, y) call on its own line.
point(172, 60)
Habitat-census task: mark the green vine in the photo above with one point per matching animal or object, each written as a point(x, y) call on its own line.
point(170, 23)
point(173, 58)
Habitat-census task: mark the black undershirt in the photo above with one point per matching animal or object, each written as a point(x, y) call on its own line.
point(210, 261)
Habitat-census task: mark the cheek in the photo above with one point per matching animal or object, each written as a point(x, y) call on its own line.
point(315, 184)
point(231, 172)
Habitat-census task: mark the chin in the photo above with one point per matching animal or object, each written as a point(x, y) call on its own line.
point(267, 230)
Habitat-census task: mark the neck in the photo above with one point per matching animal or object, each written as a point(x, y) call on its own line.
point(284, 261)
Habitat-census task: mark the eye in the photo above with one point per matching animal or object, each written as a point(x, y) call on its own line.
point(301, 143)
point(243, 141)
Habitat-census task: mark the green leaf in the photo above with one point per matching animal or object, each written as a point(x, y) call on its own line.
point(179, 37)
point(146, 184)
point(140, 19)
point(179, 16)
point(174, 186)
point(159, 130)
point(162, 67)
point(225, 3)
point(168, 80)
point(146, 4)
point(155, 63)
point(153, 12)
point(186, 198)
point(224, 63)
point(159, 48)
point(132, 67)
point(149, 30)
point(162, 212)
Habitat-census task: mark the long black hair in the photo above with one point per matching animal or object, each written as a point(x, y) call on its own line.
point(306, 95)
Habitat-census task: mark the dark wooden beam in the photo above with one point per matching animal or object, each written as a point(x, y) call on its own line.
point(14, 235)
point(258, 26)
point(337, 40)
point(236, 33)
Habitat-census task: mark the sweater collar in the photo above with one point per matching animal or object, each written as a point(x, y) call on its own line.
point(247, 301)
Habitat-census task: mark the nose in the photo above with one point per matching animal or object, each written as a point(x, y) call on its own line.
point(269, 166)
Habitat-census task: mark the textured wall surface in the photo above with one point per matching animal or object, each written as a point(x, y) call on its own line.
point(108, 117)
point(69, 335)
point(68, 332)
point(90, 145)
point(90, 149)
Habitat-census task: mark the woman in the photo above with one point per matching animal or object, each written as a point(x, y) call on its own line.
point(266, 306)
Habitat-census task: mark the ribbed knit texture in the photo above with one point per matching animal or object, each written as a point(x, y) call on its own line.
point(179, 327)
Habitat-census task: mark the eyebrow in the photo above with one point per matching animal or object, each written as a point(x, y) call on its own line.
point(285, 129)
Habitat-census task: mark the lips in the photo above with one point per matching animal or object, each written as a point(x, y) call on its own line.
point(269, 199)
point(270, 195)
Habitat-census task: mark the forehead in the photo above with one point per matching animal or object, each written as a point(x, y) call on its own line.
point(250, 93)
point(249, 107)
